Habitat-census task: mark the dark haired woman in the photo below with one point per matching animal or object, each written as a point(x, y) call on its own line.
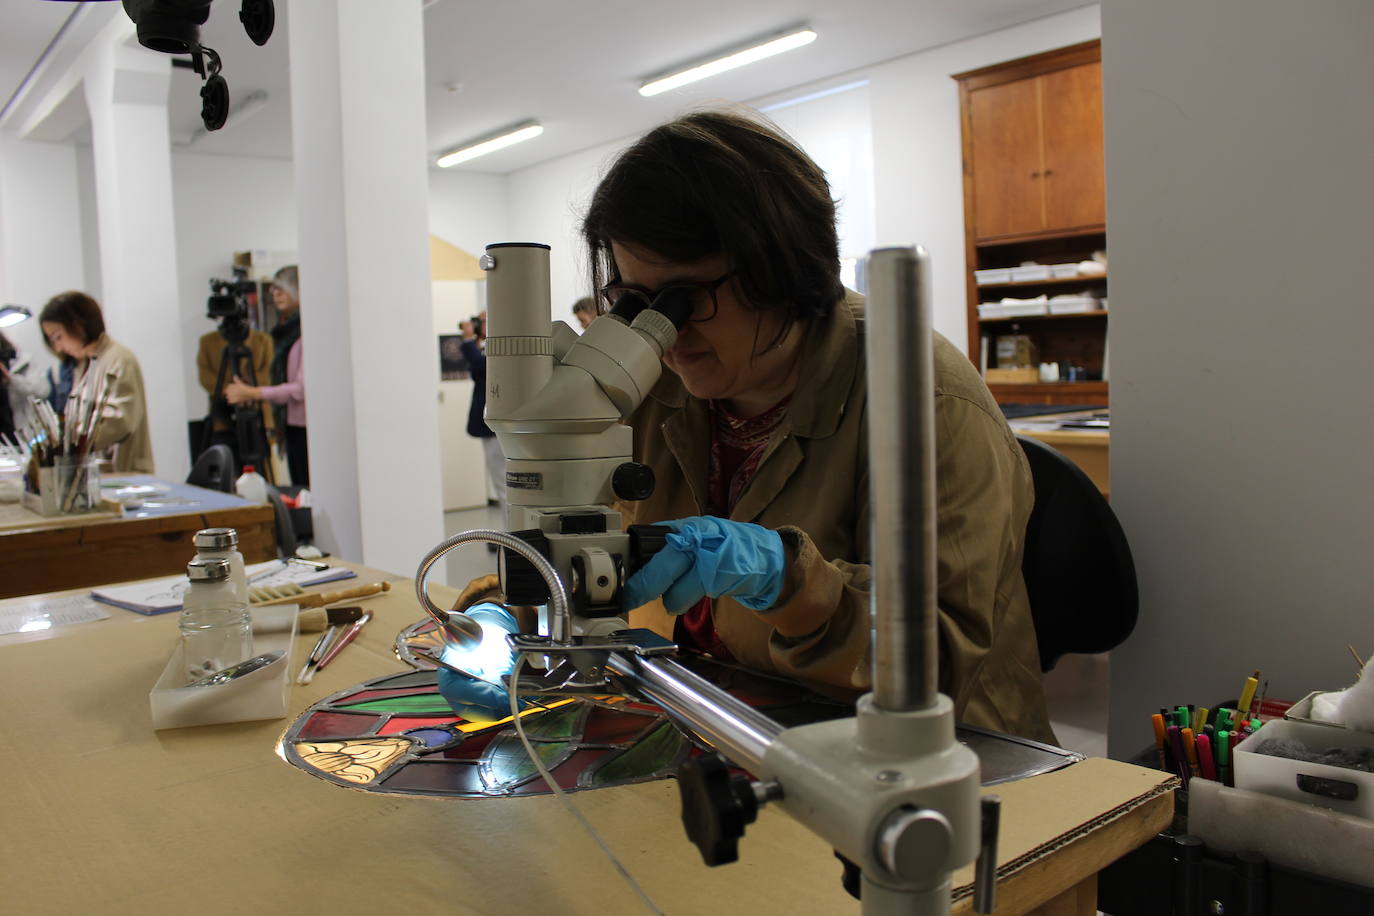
point(757, 432)
point(73, 327)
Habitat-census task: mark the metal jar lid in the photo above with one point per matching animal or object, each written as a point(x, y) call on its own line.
point(208, 569)
point(217, 538)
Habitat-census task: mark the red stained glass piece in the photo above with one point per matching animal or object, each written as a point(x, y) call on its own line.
point(472, 747)
point(566, 774)
point(336, 725)
point(364, 695)
point(398, 724)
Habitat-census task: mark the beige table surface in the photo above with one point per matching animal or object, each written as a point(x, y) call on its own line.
point(102, 814)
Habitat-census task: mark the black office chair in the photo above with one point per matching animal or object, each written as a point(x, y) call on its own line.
point(214, 469)
point(1077, 564)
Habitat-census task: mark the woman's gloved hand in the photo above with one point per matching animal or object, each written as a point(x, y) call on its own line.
point(481, 698)
point(711, 556)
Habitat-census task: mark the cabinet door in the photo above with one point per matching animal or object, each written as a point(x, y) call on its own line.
point(1075, 194)
point(1005, 133)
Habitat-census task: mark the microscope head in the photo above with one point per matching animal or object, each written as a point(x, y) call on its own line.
point(558, 404)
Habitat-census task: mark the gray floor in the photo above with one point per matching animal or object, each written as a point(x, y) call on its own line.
point(1076, 689)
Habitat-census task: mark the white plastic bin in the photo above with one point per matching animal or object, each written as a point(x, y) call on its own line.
point(1341, 789)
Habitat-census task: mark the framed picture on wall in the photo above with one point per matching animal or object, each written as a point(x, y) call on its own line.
point(452, 366)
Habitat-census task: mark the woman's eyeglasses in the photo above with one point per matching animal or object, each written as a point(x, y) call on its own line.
point(703, 294)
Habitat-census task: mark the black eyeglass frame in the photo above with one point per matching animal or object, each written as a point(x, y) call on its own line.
point(650, 296)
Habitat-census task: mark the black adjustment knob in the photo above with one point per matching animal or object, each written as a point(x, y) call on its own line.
point(716, 807)
point(645, 541)
point(633, 481)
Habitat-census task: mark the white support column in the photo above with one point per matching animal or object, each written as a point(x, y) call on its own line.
point(358, 125)
point(126, 91)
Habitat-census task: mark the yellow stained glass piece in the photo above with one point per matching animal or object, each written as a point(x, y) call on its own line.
point(359, 761)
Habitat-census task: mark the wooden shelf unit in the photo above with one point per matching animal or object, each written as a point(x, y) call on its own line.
point(1034, 190)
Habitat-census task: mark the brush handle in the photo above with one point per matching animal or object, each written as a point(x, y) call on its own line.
point(323, 598)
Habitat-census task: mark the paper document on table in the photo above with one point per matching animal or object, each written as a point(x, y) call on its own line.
point(280, 572)
point(155, 596)
point(31, 616)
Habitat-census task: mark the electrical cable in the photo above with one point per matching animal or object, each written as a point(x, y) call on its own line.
point(562, 796)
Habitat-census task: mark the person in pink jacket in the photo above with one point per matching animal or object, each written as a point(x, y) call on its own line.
point(288, 375)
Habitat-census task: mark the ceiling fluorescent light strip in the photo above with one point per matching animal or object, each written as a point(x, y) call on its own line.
point(729, 61)
point(517, 134)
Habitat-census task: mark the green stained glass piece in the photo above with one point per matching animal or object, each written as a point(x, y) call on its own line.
point(505, 764)
point(563, 723)
point(653, 753)
point(421, 704)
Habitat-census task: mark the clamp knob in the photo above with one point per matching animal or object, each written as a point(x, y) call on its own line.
point(716, 807)
point(633, 481)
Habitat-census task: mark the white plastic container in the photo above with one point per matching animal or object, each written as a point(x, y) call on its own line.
point(992, 275)
point(1030, 272)
point(1341, 789)
point(223, 544)
point(1063, 271)
point(1072, 305)
point(251, 485)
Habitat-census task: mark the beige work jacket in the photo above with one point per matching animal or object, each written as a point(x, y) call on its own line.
point(814, 478)
point(124, 428)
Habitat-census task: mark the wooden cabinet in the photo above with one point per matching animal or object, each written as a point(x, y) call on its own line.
point(1034, 192)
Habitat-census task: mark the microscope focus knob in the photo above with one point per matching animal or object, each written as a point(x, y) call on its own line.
point(633, 481)
point(716, 807)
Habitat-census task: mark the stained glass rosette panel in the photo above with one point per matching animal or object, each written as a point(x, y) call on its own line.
point(396, 734)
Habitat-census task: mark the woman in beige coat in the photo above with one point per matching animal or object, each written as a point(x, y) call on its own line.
point(73, 326)
point(757, 432)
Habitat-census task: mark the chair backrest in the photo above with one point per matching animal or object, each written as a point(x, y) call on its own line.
point(1077, 565)
point(214, 469)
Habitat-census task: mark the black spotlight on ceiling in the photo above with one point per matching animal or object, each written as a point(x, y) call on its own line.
point(173, 27)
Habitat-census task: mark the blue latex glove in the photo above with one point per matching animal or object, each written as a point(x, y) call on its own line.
point(711, 556)
point(484, 699)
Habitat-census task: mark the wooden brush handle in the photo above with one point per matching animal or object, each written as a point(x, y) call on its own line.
point(323, 598)
point(358, 591)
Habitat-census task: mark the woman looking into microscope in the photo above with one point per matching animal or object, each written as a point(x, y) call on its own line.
point(757, 435)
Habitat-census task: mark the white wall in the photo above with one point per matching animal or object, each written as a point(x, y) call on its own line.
point(917, 152)
point(547, 202)
point(1239, 198)
point(467, 209)
point(224, 204)
point(41, 250)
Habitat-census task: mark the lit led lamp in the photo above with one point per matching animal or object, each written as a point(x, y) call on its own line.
point(509, 137)
point(756, 51)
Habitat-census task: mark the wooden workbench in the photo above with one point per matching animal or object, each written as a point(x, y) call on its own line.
point(1087, 448)
point(47, 553)
point(103, 814)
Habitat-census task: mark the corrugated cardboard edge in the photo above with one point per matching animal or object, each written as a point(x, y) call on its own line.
point(1039, 852)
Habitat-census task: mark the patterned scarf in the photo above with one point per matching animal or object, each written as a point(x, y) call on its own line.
point(737, 448)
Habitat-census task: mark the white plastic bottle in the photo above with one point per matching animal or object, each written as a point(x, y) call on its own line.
point(251, 485)
point(216, 631)
point(223, 544)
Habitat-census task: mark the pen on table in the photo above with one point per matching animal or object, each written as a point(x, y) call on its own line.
point(1199, 719)
point(300, 561)
point(1180, 756)
point(1207, 766)
point(1247, 693)
point(1161, 740)
point(1223, 755)
point(347, 637)
point(317, 653)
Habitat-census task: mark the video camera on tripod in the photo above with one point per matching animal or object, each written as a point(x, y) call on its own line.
point(239, 426)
